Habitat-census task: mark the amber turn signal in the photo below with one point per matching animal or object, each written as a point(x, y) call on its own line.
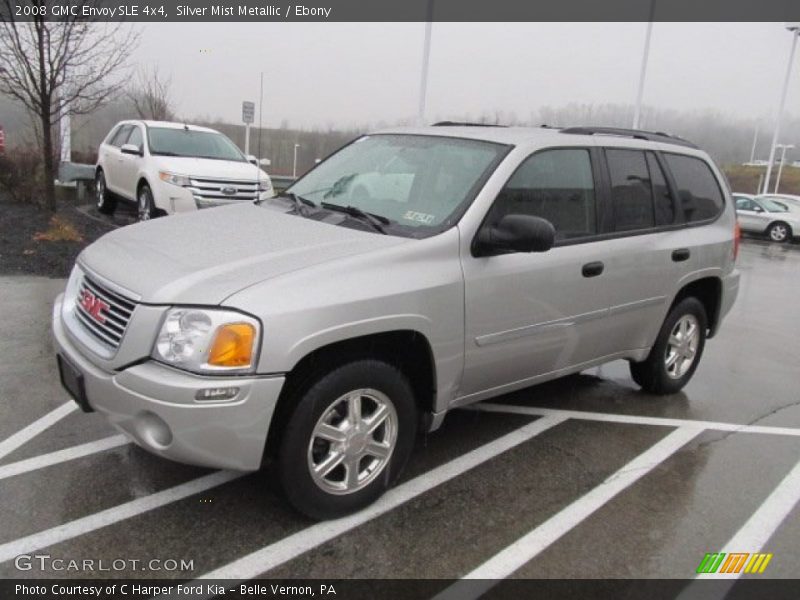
point(232, 346)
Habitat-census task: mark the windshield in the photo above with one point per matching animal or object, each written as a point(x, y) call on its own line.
point(773, 206)
point(419, 183)
point(196, 144)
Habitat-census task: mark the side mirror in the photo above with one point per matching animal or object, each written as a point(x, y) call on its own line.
point(758, 209)
point(131, 149)
point(515, 233)
point(252, 159)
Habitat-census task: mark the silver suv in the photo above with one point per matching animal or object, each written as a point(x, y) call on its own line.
point(412, 272)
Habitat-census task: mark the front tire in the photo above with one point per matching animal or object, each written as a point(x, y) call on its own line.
point(144, 203)
point(105, 202)
point(674, 357)
point(779, 232)
point(348, 438)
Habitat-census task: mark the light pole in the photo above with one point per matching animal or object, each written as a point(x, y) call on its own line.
point(637, 113)
point(784, 148)
point(294, 166)
point(795, 29)
point(426, 56)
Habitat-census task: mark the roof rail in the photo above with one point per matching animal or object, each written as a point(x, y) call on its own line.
point(465, 124)
point(651, 136)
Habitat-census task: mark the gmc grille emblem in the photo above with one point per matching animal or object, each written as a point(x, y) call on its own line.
point(93, 305)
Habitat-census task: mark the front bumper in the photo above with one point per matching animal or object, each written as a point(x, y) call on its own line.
point(155, 406)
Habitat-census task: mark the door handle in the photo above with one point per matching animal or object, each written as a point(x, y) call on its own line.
point(681, 254)
point(592, 269)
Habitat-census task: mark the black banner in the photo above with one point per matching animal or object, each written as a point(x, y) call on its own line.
point(369, 589)
point(401, 10)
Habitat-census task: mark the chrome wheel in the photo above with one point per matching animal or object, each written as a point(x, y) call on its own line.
point(778, 232)
point(353, 441)
point(682, 346)
point(144, 204)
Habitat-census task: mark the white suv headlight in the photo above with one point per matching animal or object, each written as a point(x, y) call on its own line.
point(208, 340)
point(174, 178)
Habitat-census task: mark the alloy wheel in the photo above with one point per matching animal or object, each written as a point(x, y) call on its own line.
point(682, 346)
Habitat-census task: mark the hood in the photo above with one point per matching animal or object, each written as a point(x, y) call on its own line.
point(205, 256)
point(209, 168)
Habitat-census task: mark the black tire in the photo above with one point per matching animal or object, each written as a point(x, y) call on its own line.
point(322, 400)
point(145, 208)
point(653, 374)
point(105, 202)
point(779, 232)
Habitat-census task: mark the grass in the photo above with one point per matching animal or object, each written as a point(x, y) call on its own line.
point(59, 229)
point(746, 179)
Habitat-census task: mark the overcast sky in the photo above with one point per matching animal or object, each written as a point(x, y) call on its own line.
point(362, 73)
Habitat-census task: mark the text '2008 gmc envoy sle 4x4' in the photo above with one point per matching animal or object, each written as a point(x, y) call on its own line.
point(413, 271)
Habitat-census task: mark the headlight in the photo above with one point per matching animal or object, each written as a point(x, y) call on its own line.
point(174, 178)
point(264, 186)
point(208, 340)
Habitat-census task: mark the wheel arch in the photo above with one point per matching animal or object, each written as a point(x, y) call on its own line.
point(708, 290)
point(406, 349)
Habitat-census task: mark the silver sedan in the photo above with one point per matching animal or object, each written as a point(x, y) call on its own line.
point(767, 216)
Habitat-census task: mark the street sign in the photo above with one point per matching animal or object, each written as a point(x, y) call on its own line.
point(2, 141)
point(248, 112)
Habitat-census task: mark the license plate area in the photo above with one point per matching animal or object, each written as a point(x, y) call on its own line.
point(72, 380)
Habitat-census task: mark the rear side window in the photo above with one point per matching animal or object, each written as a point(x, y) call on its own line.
point(631, 190)
point(557, 185)
point(662, 198)
point(699, 194)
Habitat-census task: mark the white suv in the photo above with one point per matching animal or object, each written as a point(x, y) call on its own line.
point(173, 167)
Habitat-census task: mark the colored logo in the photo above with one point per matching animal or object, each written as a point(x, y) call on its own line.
point(734, 562)
point(94, 306)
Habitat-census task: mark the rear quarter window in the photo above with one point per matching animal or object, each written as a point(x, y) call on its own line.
point(699, 193)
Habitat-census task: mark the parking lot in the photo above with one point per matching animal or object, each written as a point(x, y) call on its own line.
point(584, 477)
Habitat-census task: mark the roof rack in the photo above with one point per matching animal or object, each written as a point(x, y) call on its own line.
point(465, 124)
point(651, 136)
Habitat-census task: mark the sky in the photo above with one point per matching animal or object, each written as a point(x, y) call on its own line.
point(356, 74)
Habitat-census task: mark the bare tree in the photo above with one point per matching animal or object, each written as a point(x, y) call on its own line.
point(150, 95)
point(52, 68)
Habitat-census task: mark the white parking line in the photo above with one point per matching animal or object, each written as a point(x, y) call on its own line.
point(752, 537)
point(84, 525)
point(633, 419)
point(513, 557)
point(59, 456)
point(292, 546)
point(13, 442)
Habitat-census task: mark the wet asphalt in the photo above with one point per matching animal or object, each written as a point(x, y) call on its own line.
point(659, 527)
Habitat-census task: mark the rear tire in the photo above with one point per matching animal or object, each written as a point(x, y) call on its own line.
point(779, 232)
point(348, 438)
point(104, 201)
point(676, 353)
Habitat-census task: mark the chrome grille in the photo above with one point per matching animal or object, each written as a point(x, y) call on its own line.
point(103, 313)
point(208, 191)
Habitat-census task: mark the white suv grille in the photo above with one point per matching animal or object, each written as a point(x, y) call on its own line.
point(103, 313)
point(209, 192)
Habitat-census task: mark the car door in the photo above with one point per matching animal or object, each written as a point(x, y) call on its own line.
point(129, 164)
point(112, 161)
point(751, 215)
point(648, 252)
point(530, 314)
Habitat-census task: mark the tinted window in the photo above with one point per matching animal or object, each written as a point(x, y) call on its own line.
point(631, 190)
point(121, 135)
point(136, 138)
point(699, 193)
point(743, 203)
point(664, 205)
point(556, 185)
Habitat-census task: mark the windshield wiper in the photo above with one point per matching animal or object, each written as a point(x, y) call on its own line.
point(377, 222)
point(164, 153)
point(300, 204)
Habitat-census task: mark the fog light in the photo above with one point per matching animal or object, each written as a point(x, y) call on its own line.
point(216, 394)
